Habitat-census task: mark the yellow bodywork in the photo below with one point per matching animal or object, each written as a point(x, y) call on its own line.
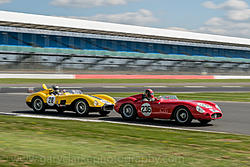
point(97, 100)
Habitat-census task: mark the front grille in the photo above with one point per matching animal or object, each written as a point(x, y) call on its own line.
point(216, 115)
point(108, 107)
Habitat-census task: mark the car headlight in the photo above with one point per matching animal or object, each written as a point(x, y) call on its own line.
point(199, 109)
point(204, 105)
point(217, 107)
point(95, 103)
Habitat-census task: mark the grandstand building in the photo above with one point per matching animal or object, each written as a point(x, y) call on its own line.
point(28, 41)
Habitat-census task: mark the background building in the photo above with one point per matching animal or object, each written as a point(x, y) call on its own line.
point(44, 42)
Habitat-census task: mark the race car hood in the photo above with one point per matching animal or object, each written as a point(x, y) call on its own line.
point(101, 99)
point(201, 101)
point(195, 102)
point(204, 104)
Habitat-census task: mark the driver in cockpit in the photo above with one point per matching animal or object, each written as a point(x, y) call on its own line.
point(148, 95)
point(56, 90)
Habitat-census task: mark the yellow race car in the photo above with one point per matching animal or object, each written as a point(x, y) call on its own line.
point(71, 100)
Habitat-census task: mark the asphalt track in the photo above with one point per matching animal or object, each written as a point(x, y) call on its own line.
point(235, 120)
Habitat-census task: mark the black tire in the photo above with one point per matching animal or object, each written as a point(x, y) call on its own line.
point(104, 113)
point(204, 122)
point(128, 112)
point(38, 105)
point(81, 107)
point(183, 116)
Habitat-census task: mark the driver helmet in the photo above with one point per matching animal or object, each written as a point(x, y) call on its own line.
point(56, 88)
point(149, 93)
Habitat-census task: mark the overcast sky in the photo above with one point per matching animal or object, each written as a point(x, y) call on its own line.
point(224, 17)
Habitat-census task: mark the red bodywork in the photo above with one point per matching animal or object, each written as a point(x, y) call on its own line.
point(164, 108)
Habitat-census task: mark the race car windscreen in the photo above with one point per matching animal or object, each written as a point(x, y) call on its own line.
point(169, 97)
point(74, 91)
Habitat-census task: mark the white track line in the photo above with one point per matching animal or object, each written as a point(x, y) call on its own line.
point(183, 92)
point(155, 86)
point(231, 86)
point(21, 87)
point(17, 93)
point(70, 87)
point(114, 87)
point(195, 86)
point(113, 122)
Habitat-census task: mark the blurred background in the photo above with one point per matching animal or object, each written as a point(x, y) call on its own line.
point(46, 44)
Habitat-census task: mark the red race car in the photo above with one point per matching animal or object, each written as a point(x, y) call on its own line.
point(167, 107)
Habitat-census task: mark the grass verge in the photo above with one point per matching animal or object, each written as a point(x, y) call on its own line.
point(41, 142)
point(79, 81)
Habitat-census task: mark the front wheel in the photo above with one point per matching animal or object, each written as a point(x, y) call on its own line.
point(81, 108)
point(38, 104)
point(128, 112)
point(183, 116)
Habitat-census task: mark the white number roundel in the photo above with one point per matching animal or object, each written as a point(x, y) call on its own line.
point(146, 109)
point(51, 100)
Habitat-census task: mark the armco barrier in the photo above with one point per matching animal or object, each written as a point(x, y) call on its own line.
point(103, 76)
point(88, 76)
point(39, 76)
point(230, 77)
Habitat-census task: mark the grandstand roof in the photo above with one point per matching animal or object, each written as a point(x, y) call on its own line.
point(76, 25)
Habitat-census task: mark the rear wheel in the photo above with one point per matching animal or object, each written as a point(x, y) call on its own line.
point(204, 122)
point(81, 108)
point(183, 116)
point(128, 112)
point(38, 104)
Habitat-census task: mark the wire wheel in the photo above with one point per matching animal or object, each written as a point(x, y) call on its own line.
point(128, 112)
point(81, 108)
point(38, 104)
point(183, 116)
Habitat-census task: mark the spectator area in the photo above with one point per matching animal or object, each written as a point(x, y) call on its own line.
point(39, 43)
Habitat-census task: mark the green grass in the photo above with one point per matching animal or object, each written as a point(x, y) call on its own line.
point(214, 96)
point(71, 81)
point(41, 142)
